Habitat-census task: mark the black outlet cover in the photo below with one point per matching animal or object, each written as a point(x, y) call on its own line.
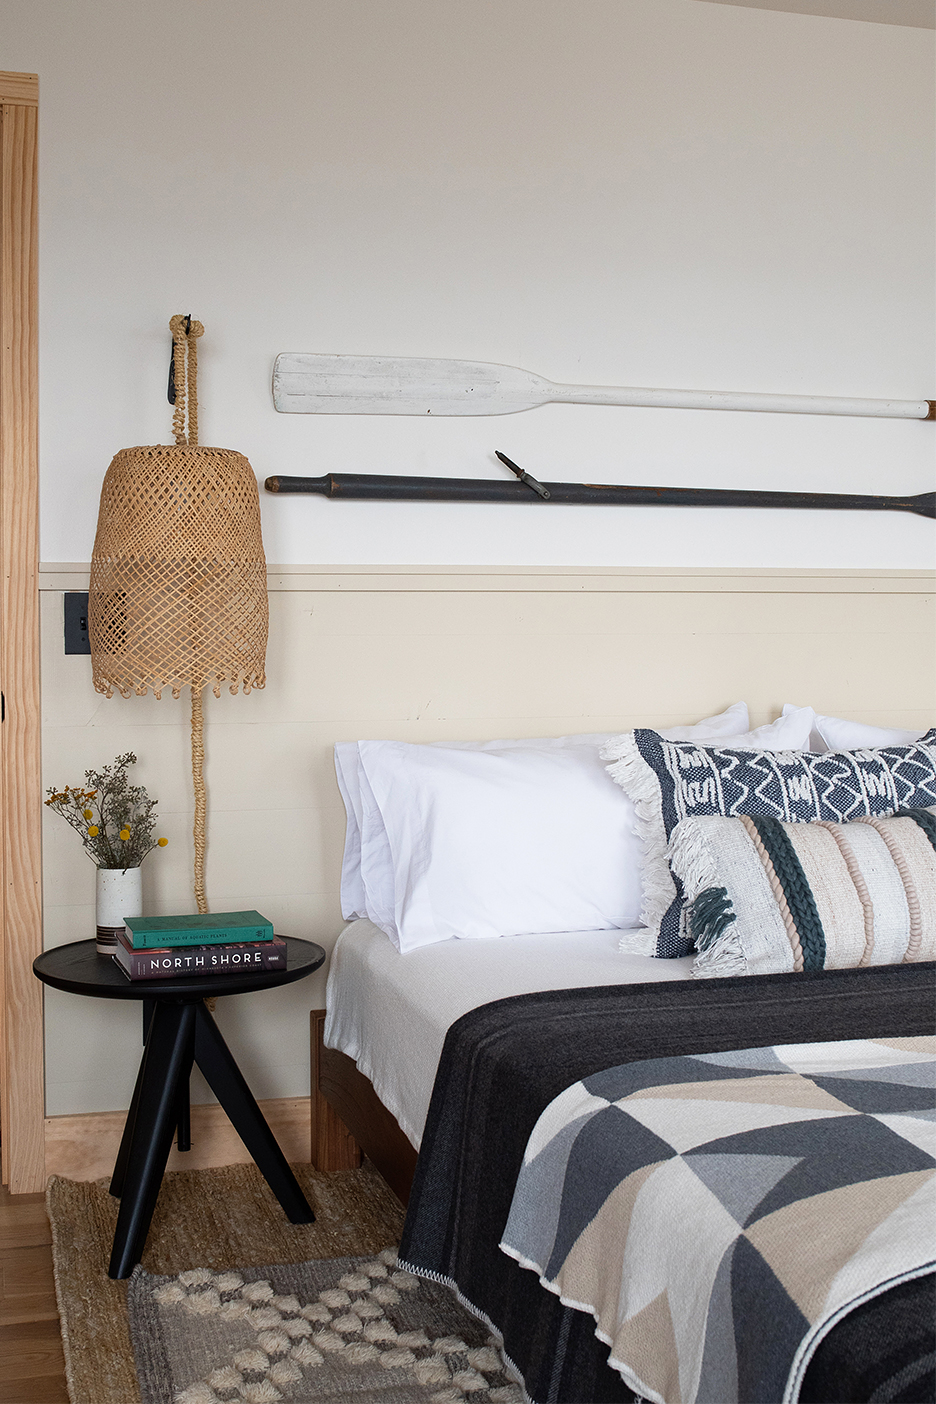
point(76, 622)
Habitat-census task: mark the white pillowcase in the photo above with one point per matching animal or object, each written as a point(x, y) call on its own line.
point(790, 732)
point(492, 838)
point(731, 722)
point(836, 734)
point(841, 735)
point(832, 733)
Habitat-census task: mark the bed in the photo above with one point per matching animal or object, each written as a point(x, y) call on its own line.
point(456, 1048)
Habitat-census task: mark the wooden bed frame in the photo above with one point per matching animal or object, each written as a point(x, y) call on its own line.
point(350, 1121)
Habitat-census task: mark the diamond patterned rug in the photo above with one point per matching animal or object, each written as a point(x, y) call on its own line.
point(221, 1220)
point(334, 1331)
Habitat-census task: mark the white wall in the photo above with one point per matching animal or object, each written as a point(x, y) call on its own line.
point(649, 192)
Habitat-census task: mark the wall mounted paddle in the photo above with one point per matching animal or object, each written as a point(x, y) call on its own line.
point(306, 382)
point(378, 487)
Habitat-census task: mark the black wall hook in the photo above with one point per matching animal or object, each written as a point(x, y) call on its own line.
point(170, 393)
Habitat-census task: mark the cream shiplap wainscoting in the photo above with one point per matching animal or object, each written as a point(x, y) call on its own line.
point(420, 654)
point(84, 1147)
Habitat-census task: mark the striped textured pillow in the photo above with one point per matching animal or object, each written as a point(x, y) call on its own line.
point(764, 896)
point(672, 781)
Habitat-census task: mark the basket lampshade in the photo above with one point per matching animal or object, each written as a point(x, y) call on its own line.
point(178, 594)
point(178, 577)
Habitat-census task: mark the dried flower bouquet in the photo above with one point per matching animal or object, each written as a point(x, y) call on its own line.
point(115, 819)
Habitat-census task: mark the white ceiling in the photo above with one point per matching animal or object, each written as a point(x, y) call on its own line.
point(920, 14)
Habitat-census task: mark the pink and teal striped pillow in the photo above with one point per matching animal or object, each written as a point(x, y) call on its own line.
point(764, 896)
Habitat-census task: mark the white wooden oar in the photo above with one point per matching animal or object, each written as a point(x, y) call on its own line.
point(310, 382)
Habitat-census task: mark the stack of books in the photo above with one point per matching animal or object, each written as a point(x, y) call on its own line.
point(219, 943)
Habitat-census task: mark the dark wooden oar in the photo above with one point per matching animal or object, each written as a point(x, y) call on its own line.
point(382, 487)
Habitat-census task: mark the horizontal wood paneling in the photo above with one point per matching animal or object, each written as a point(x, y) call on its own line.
point(84, 1146)
point(74, 575)
point(427, 664)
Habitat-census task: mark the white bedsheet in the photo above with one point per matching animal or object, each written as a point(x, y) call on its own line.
point(390, 1012)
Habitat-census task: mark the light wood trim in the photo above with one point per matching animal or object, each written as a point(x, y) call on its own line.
point(73, 575)
point(21, 1042)
point(21, 89)
point(84, 1146)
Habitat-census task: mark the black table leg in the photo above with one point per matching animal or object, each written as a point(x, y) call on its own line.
point(167, 1063)
point(120, 1164)
point(227, 1082)
point(184, 1118)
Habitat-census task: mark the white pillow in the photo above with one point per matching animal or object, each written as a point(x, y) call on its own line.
point(790, 732)
point(834, 734)
point(353, 899)
point(731, 722)
point(501, 841)
point(839, 735)
point(377, 881)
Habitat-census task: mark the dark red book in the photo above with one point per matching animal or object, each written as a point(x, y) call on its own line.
point(167, 962)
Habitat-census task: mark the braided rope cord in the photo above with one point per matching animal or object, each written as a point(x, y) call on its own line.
point(199, 834)
point(185, 375)
point(906, 877)
point(179, 349)
point(797, 889)
point(185, 334)
point(776, 887)
point(861, 887)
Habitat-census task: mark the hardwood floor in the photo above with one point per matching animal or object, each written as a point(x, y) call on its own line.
point(32, 1367)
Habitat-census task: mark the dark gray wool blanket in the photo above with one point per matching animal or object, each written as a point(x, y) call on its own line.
point(503, 1063)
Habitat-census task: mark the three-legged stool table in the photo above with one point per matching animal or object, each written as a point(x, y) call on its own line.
point(181, 1032)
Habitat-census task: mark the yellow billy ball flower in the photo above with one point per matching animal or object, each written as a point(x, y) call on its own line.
point(89, 814)
point(162, 842)
point(125, 833)
point(93, 830)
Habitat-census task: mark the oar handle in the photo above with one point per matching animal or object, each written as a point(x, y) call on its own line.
point(378, 487)
point(739, 400)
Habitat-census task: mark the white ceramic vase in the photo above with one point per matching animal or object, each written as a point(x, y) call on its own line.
point(119, 894)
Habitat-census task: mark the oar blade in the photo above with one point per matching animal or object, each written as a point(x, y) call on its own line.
point(924, 504)
point(307, 382)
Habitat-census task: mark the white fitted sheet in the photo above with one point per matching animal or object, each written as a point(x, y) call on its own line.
point(391, 1012)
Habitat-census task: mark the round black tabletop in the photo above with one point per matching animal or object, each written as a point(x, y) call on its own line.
point(78, 969)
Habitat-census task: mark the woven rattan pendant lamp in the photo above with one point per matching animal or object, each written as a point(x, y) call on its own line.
point(178, 592)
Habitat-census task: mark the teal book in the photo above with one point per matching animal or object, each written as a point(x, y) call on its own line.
point(208, 929)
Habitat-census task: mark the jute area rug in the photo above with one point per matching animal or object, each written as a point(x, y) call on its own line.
point(232, 1304)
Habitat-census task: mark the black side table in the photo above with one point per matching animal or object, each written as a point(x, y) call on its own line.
point(181, 1032)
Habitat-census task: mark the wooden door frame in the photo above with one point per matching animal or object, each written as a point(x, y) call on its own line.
point(22, 1093)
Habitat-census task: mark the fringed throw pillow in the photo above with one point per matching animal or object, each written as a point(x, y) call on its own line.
point(764, 896)
point(670, 781)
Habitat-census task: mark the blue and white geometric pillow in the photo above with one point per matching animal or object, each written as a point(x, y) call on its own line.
point(670, 780)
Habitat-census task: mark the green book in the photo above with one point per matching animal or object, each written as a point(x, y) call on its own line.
point(208, 929)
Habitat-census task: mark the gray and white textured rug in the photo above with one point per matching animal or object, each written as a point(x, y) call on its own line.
point(332, 1331)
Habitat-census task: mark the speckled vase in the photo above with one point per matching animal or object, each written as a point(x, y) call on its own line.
point(119, 894)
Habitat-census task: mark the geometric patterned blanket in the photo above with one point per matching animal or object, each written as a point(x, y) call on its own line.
point(717, 1214)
